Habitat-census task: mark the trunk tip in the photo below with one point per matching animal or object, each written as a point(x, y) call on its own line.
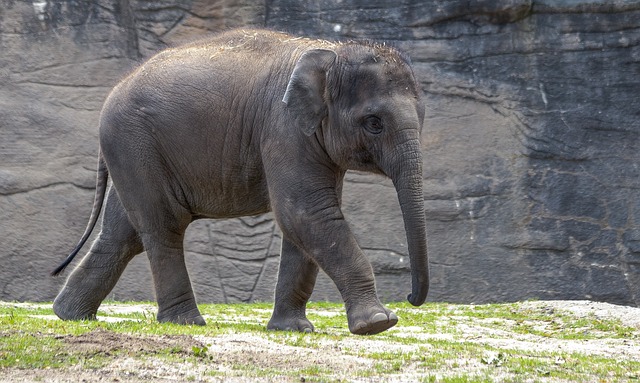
point(417, 300)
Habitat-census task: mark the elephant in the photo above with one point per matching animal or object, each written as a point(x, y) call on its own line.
point(242, 123)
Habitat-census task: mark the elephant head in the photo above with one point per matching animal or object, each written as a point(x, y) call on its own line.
point(362, 102)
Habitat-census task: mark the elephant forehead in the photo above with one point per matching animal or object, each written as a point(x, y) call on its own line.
point(371, 79)
point(373, 88)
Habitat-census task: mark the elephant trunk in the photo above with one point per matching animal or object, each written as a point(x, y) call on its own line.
point(406, 172)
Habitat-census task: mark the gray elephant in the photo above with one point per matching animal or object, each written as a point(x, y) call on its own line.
point(246, 122)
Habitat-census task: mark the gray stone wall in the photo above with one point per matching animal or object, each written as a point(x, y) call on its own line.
point(531, 142)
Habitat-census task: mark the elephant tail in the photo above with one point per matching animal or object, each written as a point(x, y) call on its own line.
point(101, 187)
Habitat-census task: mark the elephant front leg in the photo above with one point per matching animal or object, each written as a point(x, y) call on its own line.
point(296, 279)
point(324, 235)
point(351, 271)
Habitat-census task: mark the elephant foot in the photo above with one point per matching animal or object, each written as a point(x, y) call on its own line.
point(372, 321)
point(66, 311)
point(188, 317)
point(197, 320)
point(290, 323)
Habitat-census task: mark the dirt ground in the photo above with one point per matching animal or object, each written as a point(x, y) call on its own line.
point(225, 352)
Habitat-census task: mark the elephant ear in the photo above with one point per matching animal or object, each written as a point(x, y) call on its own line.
point(305, 92)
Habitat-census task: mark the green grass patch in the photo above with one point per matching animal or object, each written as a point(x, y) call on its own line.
point(25, 351)
point(437, 342)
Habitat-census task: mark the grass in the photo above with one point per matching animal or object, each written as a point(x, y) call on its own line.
point(437, 342)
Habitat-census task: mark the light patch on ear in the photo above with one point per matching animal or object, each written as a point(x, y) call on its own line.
point(287, 93)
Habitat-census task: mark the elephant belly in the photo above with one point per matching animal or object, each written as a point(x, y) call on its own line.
point(230, 200)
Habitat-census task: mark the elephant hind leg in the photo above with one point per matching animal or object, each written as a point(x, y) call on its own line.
point(94, 278)
point(162, 224)
point(147, 190)
point(174, 294)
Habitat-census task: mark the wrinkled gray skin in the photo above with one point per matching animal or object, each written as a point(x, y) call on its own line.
point(241, 124)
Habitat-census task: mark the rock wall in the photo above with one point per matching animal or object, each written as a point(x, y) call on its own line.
point(531, 142)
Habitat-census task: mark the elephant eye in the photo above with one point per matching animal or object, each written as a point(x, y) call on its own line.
point(373, 124)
